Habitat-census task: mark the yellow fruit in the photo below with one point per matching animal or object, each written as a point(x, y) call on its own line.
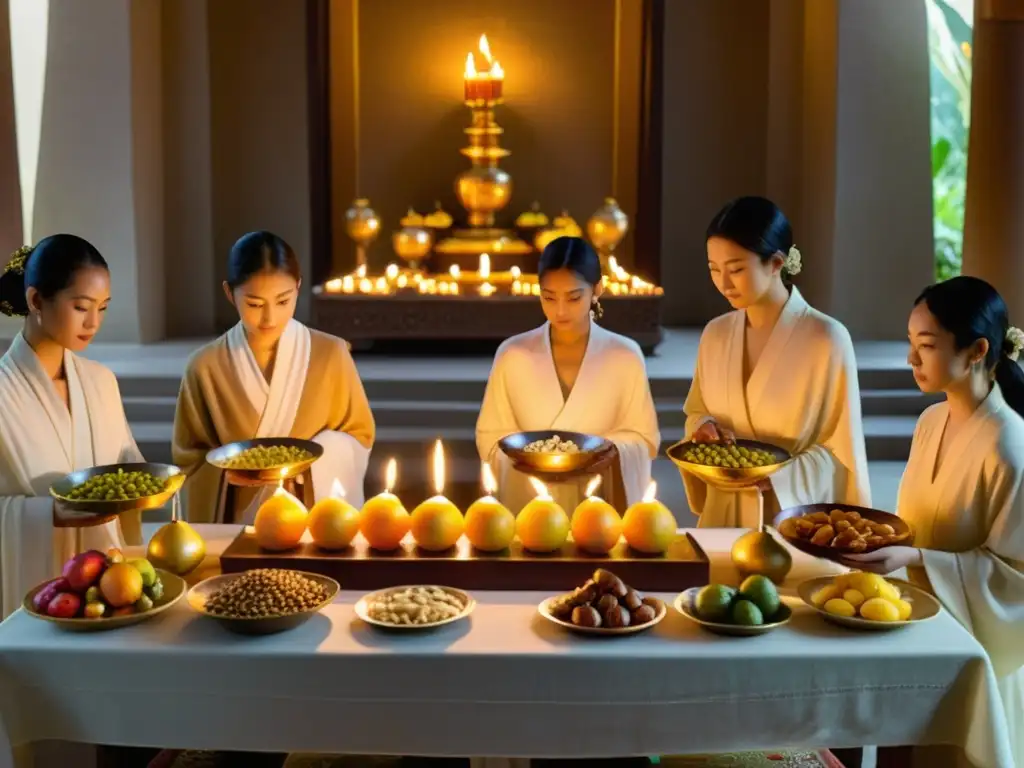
point(905, 609)
point(879, 609)
point(490, 527)
point(853, 597)
point(842, 581)
point(121, 585)
point(280, 522)
point(384, 522)
point(649, 527)
point(839, 607)
point(596, 526)
point(823, 595)
point(333, 523)
point(436, 524)
point(542, 526)
point(889, 591)
point(868, 584)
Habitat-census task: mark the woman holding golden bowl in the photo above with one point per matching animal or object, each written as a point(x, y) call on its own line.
point(570, 374)
point(774, 370)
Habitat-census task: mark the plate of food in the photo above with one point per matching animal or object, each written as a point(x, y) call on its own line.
point(735, 465)
point(554, 451)
point(604, 605)
point(867, 601)
point(265, 460)
point(415, 607)
point(753, 609)
point(263, 601)
point(102, 492)
point(832, 531)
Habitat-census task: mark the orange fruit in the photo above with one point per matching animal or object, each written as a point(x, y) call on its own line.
point(542, 526)
point(384, 522)
point(649, 527)
point(121, 585)
point(490, 527)
point(596, 526)
point(280, 522)
point(333, 523)
point(436, 524)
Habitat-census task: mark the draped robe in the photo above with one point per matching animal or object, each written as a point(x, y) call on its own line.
point(41, 440)
point(802, 395)
point(314, 394)
point(611, 398)
point(968, 518)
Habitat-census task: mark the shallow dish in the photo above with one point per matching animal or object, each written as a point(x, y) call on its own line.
point(591, 450)
point(544, 609)
point(219, 458)
point(264, 625)
point(174, 588)
point(904, 533)
point(362, 608)
point(925, 606)
point(84, 510)
point(730, 478)
point(685, 604)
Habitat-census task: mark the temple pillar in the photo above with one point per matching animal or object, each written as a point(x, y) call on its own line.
point(994, 215)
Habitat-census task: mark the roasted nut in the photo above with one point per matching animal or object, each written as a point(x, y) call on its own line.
point(266, 592)
point(606, 602)
point(586, 616)
point(416, 605)
point(823, 536)
point(616, 617)
point(632, 600)
point(585, 594)
point(644, 614)
point(610, 583)
point(562, 608)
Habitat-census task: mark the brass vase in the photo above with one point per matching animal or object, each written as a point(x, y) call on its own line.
point(363, 225)
point(606, 228)
point(757, 552)
point(177, 548)
point(412, 245)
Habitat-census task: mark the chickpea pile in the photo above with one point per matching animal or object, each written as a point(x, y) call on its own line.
point(730, 456)
point(268, 457)
point(553, 444)
point(416, 605)
point(266, 592)
point(118, 486)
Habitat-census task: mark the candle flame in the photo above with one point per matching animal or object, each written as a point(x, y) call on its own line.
point(516, 272)
point(485, 49)
point(593, 485)
point(470, 67)
point(497, 72)
point(361, 270)
point(487, 476)
point(454, 271)
point(540, 488)
point(284, 474)
point(438, 468)
point(337, 489)
point(651, 491)
point(390, 475)
point(391, 271)
point(282, 492)
point(485, 266)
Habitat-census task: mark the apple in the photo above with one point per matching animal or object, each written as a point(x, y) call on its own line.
point(46, 594)
point(86, 571)
point(64, 606)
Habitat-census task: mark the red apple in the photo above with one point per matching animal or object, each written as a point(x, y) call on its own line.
point(88, 568)
point(64, 606)
point(46, 594)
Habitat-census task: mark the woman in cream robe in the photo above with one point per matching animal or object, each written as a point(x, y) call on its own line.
point(802, 393)
point(313, 393)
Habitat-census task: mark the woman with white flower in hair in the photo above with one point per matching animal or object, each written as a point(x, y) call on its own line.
point(962, 488)
point(776, 370)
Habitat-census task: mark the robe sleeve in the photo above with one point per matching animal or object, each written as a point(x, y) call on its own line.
point(696, 412)
point(835, 467)
point(637, 437)
point(496, 419)
point(193, 435)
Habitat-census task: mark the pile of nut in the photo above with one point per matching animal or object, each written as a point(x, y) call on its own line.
point(844, 529)
point(412, 606)
point(266, 592)
point(604, 601)
point(553, 444)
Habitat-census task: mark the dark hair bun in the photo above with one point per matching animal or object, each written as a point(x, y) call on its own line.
point(50, 266)
point(12, 284)
point(755, 224)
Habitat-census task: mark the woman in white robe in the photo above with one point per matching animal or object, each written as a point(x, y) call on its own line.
point(61, 413)
point(270, 376)
point(776, 370)
point(962, 488)
point(573, 375)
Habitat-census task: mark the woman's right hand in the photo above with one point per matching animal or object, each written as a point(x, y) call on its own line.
point(712, 432)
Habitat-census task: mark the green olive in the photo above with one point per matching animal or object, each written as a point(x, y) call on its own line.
point(118, 486)
point(268, 457)
point(728, 456)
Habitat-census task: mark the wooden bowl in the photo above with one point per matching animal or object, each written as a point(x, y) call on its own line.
point(544, 609)
point(86, 510)
point(904, 533)
point(362, 608)
point(591, 449)
point(729, 478)
point(925, 606)
point(174, 588)
point(220, 458)
point(685, 603)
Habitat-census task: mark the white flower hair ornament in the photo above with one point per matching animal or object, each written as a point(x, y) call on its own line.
point(792, 264)
point(1015, 338)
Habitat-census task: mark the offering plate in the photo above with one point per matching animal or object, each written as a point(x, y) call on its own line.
point(686, 603)
point(86, 512)
point(730, 478)
point(220, 458)
point(591, 450)
point(904, 533)
point(925, 606)
point(544, 609)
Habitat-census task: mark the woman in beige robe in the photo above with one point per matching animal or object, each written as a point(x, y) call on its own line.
point(270, 376)
point(963, 489)
point(61, 413)
point(776, 370)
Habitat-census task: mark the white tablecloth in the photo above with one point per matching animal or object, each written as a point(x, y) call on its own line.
point(503, 683)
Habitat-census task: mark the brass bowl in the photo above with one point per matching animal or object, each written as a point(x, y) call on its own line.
point(925, 606)
point(685, 603)
point(219, 457)
point(544, 609)
point(904, 533)
point(174, 588)
point(591, 449)
point(728, 478)
point(85, 510)
point(362, 608)
point(264, 625)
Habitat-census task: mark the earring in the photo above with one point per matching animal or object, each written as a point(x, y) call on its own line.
point(596, 310)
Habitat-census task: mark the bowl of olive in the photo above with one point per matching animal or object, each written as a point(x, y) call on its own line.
point(265, 459)
point(115, 488)
point(731, 466)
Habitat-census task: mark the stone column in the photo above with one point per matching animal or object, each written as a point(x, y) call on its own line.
point(994, 217)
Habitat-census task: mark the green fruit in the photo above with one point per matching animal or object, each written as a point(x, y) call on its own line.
point(156, 591)
point(714, 601)
point(94, 610)
point(746, 614)
point(143, 604)
point(143, 566)
point(92, 595)
point(761, 592)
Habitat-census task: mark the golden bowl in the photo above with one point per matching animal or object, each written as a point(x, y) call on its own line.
point(591, 450)
point(482, 190)
point(924, 605)
point(544, 609)
point(728, 478)
point(904, 533)
point(412, 244)
point(219, 458)
point(607, 226)
point(174, 588)
point(361, 222)
point(87, 510)
point(686, 603)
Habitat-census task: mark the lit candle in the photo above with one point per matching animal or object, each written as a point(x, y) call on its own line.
point(648, 525)
point(333, 286)
point(485, 266)
point(333, 522)
point(490, 526)
point(391, 272)
point(516, 272)
point(384, 521)
point(596, 526)
point(535, 289)
point(280, 521)
point(517, 288)
point(402, 281)
point(365, 285)
point(487, 289)
point(348, 284)
point(455, 289)
point(542, 524)
point(454, 271)
point(361, 270)
point(437, 523)
point(443, 288)
point(382, 284)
